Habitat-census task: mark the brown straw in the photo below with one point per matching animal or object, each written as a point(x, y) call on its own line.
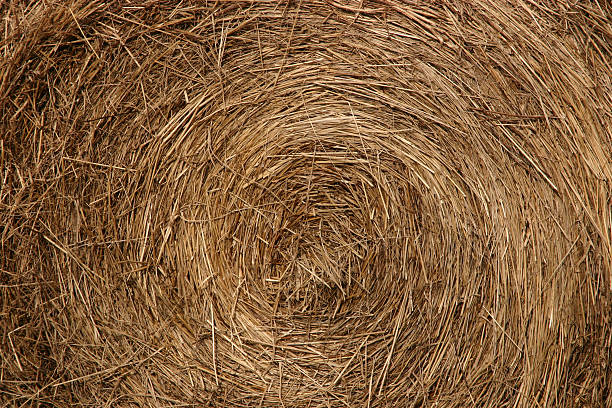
point(375, 203)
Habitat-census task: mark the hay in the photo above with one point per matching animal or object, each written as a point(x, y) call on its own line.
point(314, 203)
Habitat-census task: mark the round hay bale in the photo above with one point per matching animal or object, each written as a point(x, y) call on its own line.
point(308, 204)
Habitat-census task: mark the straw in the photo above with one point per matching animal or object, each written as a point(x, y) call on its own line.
point(306, 204)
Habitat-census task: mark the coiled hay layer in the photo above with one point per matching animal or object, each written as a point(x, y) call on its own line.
point(313, 203)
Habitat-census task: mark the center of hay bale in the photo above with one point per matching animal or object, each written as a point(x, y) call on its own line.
point(308, 222)
point(326, 240)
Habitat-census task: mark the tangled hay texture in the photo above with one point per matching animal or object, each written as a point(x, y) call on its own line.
point(306, 203)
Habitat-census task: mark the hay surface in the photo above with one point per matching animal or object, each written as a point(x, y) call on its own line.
point(306, 204)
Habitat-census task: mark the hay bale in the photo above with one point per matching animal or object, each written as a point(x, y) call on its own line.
point(314, 203)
